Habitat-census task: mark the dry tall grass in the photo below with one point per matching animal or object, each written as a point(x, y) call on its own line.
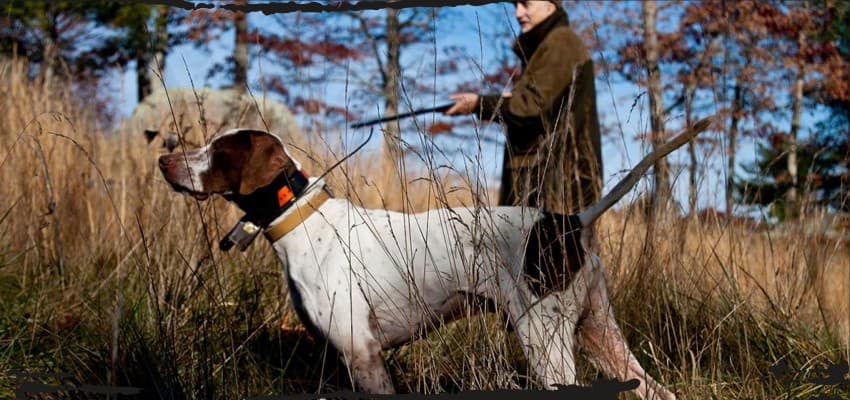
point(108, 276)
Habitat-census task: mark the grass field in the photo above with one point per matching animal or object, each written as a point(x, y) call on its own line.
point(108, 277)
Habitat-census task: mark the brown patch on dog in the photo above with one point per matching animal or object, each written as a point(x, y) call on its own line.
point(244, 162)
point(264, 163)
point(553, 253)
point(227, 157)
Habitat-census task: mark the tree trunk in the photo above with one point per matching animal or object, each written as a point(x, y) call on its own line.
point(144, 77)
point(50, 51)
point(692, 150)
point(150, 59)
point(793, 201)
point(154, 66)
point(240, 51)
point(731, 149)
point(392, 138)
point(661, 190)
point(688, 99)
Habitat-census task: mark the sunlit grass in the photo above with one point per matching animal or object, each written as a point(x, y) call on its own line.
point(110, 277)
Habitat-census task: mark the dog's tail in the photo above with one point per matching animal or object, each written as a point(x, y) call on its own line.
point(590, 214)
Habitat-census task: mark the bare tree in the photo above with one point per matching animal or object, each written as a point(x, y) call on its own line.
point(367, 49)
point(151, 62)
point(240, 49)
point(661, 190)
point(793, 200)
point(390, 73)
point(736, 112)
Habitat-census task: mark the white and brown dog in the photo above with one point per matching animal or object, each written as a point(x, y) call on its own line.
point(371, 279)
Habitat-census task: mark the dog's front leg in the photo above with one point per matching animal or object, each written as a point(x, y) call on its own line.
point(347, 325)
point(368, 370)
point(546, 331)
point(350, 328)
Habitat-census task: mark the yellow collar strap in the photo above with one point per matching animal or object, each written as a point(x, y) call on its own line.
point(297, 216)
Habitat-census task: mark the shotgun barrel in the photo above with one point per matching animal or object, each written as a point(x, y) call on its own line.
point(441, 108)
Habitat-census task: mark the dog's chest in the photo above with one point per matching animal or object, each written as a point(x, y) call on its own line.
point(300, 307)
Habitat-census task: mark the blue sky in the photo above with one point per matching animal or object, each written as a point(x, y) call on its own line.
point(615, 99)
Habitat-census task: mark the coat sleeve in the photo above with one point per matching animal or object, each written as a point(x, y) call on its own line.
point(538, 92)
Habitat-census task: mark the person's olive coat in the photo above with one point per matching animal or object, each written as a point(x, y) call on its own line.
point(553, 157)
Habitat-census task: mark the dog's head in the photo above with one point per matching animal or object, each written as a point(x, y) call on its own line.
point(237, 163)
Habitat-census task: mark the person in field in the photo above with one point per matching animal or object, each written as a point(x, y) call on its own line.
point(552, 157)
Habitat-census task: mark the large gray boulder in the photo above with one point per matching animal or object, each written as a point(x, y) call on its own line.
point(201, 113)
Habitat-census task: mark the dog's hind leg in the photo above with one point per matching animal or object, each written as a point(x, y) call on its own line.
point(600, 338)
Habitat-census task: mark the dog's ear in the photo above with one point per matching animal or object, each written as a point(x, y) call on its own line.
point(266, 160)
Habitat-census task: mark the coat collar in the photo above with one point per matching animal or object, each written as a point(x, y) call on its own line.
point(527, 43)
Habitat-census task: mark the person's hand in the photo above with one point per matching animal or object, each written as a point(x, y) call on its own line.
point(464, 103)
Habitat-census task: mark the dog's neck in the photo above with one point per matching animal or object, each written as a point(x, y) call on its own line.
point(303, 206)
point(267, 203)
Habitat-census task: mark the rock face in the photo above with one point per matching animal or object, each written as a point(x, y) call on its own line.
point(202, 113)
